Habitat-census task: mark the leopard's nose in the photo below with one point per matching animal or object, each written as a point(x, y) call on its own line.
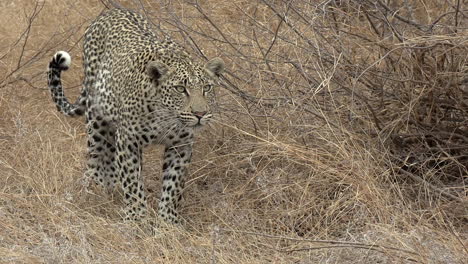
point(199, 114)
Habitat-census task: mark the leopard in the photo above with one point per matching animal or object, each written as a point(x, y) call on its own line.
point(139, 89)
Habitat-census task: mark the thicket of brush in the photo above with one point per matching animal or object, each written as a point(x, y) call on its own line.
point(341, 136)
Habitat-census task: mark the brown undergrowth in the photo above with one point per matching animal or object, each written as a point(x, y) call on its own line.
point(340, 136)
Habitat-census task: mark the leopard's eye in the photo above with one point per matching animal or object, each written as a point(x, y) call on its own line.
point(207, 88)
point(180, 88)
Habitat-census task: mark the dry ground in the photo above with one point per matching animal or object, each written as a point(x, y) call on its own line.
point(341, 137)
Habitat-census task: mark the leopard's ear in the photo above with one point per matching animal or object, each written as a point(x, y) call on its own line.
point(215, 66)
point(156, 70)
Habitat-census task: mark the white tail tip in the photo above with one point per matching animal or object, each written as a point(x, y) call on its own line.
point(63, 59)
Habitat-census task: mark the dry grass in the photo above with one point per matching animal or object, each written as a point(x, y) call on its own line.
point(341, 137)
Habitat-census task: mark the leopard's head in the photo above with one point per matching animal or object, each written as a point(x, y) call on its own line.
point(187, 87)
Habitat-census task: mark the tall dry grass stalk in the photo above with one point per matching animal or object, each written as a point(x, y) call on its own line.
point(340, 136)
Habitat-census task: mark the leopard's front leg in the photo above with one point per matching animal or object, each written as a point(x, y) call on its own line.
point(129, 155)
point(176, 160)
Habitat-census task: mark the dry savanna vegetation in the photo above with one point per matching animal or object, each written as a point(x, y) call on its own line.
point(341, 136)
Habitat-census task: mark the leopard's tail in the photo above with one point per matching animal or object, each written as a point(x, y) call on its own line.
point(61, 62)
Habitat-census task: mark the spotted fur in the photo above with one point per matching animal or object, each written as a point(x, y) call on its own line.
point(138, 90)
